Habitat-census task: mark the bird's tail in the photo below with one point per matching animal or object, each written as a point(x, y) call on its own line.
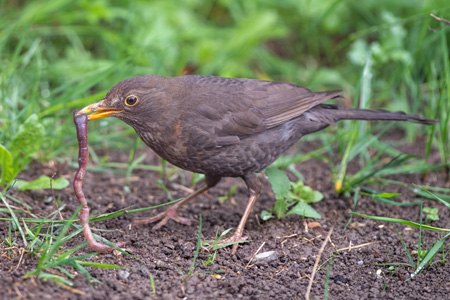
point(374, 115)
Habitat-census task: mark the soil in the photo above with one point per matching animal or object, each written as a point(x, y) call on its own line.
point(349, 266)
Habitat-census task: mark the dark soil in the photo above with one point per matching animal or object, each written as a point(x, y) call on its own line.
point(167, 254)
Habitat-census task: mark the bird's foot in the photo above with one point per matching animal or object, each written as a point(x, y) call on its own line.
point(233, 240)
point(170, 213)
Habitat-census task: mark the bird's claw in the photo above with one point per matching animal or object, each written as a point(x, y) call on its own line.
point(165, 216)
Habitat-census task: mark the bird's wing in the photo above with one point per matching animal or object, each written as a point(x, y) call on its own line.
point(280, 102)
point(242, 107)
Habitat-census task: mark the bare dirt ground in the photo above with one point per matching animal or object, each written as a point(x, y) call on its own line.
point(167, 254)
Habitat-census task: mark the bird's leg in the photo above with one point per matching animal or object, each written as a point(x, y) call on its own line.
point(254, 189)
point(171, 212)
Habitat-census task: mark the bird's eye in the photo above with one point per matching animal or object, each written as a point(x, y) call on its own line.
point(131, 100)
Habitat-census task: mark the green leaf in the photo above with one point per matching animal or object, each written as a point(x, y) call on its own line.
point(297, 186)
point(26, 143)
point(301, 192)
point(306, 190)
point(6, 165)
point(305, 210)
point(432, 214)
point(316, 196)
point(431, 218)
point(42, 182)
point(265, 215)
point(279, 181)
point(431, 210)
point(280, 207)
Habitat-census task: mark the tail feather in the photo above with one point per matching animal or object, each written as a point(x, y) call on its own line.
point(374, 115)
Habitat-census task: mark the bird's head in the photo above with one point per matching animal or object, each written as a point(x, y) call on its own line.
point(132, 100)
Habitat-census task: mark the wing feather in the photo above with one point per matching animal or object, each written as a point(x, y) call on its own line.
point(240, 107)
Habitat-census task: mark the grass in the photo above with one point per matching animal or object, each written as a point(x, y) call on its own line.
point(58, 56)
point(424, 257)
point(51, 70)
point(45, 237)
point(46, 244)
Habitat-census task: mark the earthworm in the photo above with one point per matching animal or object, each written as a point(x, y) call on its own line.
point(81, 121)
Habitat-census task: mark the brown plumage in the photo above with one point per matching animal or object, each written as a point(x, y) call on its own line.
point(224, 127)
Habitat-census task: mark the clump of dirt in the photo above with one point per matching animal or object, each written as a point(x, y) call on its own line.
point(349, 266)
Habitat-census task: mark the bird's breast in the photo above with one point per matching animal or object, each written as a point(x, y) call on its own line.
point(196, 150)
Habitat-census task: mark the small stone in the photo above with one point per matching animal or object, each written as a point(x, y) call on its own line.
point(49, 200)
point(265, 258)
point(160, 264)
point(361, 262)
point(123, 274)
point(145, 272)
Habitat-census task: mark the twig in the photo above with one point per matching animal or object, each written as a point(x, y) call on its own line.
point(257, 220)
point(19, 294)
point(308, 290)
point(290, 236)
point(254, 254)
point(440, 20)
point(349, 248)
point(181, 187)
point(22, 252)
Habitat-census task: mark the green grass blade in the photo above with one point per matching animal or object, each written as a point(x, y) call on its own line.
point(430, 254)
point(447, 204)
point(197, 248)
point(406, 248)
point(400, 221)
point(99, 265)
point(15, 220)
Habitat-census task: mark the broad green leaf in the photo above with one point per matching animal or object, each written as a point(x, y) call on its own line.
point(42, 182)
point(305, 210)
point(6, 165)
point(26, 143)
point(279, 181)
point(314, 197)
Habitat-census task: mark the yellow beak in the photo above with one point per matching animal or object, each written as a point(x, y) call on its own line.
point(98, 111)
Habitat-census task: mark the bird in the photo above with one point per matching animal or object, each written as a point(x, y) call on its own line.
point(224, 127)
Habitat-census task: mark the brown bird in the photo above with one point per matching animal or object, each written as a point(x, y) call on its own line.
point(224, 127)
